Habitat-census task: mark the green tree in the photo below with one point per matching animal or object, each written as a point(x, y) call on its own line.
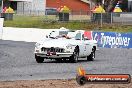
point(110, 4)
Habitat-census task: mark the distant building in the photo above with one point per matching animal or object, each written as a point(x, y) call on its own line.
point(26, 6)
point(31, 7)
point(39, 6)
point(74, 5)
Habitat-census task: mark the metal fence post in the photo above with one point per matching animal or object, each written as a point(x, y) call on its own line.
point(80, 16)
point(101, 19)
point(38, 12)
point(62, 16)
point(111, 17)
point(29, 12)
point(71, 15)
point(23, 8)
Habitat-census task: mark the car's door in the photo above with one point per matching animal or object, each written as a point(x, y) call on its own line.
point(88, 47)
point(84, 47)
point(80, 42)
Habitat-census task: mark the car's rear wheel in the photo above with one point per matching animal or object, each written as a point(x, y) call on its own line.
point(91, 57)
point(39, 59)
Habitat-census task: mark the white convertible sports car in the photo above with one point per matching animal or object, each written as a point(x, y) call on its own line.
point(66, 48)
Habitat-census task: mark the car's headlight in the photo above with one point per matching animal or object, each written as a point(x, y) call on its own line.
point(37, 44)
point(69, 46)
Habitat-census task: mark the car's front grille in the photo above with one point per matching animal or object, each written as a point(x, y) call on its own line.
point(52, 49)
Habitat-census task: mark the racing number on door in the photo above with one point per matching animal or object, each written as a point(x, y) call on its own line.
point(85, 47)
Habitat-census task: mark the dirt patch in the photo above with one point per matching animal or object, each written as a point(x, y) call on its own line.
point(57, 84)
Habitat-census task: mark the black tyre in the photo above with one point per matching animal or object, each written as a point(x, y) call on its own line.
point(39, 59)
point(91, 57)
point(74, 57)
point(81, 80)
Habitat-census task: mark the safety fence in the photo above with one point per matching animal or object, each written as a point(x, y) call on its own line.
point(53, 15)
point(99, 18)
point(122, 18)
point(87, 16)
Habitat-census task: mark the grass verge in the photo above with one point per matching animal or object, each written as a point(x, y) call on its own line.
point(50, 22)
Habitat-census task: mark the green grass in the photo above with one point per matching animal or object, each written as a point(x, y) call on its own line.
point(49, 22)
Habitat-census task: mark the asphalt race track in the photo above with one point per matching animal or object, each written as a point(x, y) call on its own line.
point(17, 63)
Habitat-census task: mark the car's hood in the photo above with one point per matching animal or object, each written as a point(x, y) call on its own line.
point(56, 43)
point(61, 42)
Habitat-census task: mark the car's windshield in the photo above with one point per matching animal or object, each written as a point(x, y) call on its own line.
point(58, 34)
point(63, 32)
point(78, 36)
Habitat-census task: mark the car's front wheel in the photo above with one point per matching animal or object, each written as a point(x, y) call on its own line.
point(91, 57)
point(39, 59)
point(74, 57)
